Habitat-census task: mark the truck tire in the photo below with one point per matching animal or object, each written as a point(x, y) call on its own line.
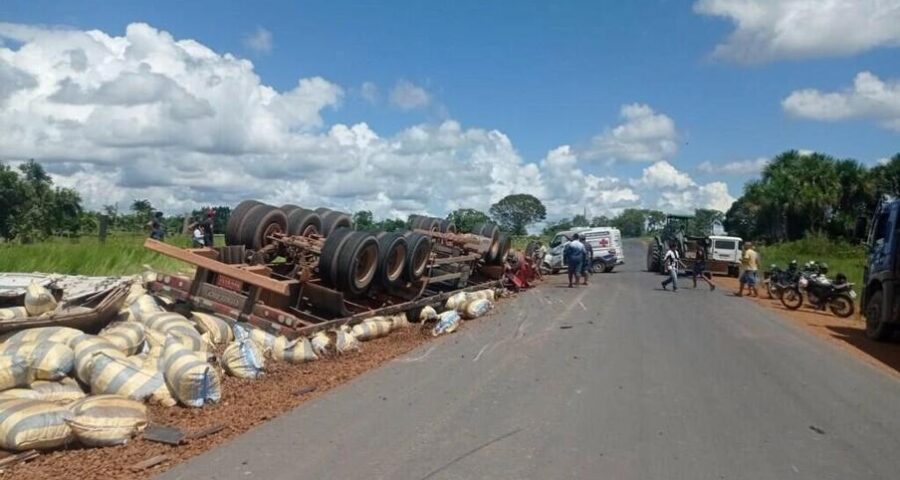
point(287, 208)
point(505, 243)
point(260, 222)
point(392, 254)
point(357, 263)
point(489, 230)
point(598, 266)
point(416, 256)
point(447, 226)
point(877, 327)
point(332, 220)
point(328, 258)
point(303, 222)
point(414, 220)
point(429, 223)
point(233, 227)
point(322, 210)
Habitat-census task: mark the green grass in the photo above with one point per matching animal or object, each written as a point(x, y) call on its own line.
point(840, 257)
point(120, 255)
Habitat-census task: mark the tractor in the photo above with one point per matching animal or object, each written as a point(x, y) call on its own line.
point(674, 231)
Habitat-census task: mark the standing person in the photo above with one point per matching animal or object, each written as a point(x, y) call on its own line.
point(750, 263)
point(671, 262)
point(700, 267)
point(588, 258)
point(573, 256)
point(209, 228)
point(197, 235)
point(157, 230)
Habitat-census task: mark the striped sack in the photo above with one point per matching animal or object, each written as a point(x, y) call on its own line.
point(128, 337)
point(105, 420)
point(293, 351)
point(14, 372)
point(47, 360)
point(116, 376)
point(218, 329)
point(345, 341)
point(372, 328)
point(64, 335)
point(264, 339)
point(320, 342)
point(85, 348)
point(173, 324)
point(13, 313)
point(64, 391)
point(33, 424)
point(140, 308)
point(244, 359)
point(476, 308)
point(39, 300)
point(191, 379)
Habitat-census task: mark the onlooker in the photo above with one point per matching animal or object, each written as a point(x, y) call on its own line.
point(671, 262)
point(699, 269)
point(750, 264)
point(208, 228)
point(588, 258)
point(157, 230)
point(573, 256)
point(198, 236)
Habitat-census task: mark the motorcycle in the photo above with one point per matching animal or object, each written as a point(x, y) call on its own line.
point(776, 279)
point(837, 296)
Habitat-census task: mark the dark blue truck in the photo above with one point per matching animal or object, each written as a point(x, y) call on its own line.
point(881, 276)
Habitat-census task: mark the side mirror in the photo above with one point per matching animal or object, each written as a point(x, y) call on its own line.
point(859, 230)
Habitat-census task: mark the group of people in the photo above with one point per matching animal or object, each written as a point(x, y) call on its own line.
point(202, 230)
point(748, 276)
point(578, 256)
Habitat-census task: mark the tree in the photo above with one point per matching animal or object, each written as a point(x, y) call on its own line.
point(363, 220)
point(391, 225)
point(515, 212)
point(580, 221)
point(702, 223)
point(466, 218)
point(655, 220)
point(601, 221)
point(11, 197)
point(559, 226)
point(631, 222)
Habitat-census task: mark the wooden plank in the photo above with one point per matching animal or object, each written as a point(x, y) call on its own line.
point(205, 252)
point(150, 462)
point(206, 431)
point(19, 458)
point(279, 286)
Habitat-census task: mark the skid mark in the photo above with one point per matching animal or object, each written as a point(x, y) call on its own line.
point(419, 358)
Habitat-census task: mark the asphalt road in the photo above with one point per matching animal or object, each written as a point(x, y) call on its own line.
point(619, 380)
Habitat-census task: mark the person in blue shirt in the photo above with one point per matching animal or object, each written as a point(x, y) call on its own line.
point(588, 258)
point(573, 256)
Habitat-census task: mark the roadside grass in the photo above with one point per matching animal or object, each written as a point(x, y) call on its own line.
point(840, 256)
point(121, 255)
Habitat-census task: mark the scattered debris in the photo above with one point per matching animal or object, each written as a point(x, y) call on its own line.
point(206, 432)
point(817, 429)
point(305, 390)
point(565, 327)
point(13, 459)
point(164, 434)
point(150, 462)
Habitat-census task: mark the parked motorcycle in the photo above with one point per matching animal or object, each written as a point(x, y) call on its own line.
point(777, 279)
point(822, 293)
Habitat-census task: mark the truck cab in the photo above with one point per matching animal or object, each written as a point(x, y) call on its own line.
point(880, 275)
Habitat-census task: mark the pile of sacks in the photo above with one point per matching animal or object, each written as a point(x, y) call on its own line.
point(38, 301)
point(463, 305)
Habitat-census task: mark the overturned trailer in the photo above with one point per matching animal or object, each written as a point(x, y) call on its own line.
point(297, 284)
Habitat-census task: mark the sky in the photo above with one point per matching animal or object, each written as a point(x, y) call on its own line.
point(418, 107)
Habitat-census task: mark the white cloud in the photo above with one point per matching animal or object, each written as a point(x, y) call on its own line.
point(741, 167)
point(409, 96)
point(259, 41)
point(145, 115)
point(883, 161)
point(768, 30)
point(664, 175)
point(712, 195)
point(644, 136)
point(869, 98)
point(369, 92)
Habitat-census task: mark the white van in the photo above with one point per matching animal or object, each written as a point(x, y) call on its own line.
point(606, 242)
point(723, 254)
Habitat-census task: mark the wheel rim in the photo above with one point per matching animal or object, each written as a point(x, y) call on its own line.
point(790, 299)
point(420, 260)
point(873, 318)
point(271, 229)
point(396, 260)
point(598, 267)
point(366, 262)
point(310, 230)
point(841, 306)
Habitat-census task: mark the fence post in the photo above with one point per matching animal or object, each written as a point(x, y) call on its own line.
point(104, 227)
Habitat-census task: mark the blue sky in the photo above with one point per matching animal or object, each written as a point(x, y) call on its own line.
point(543, 74)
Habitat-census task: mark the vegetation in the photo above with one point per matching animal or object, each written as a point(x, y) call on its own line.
point(841, 256)
point(515, 212)
point(31, 208)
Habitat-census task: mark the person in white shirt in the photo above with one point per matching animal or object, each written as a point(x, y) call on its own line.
point(671, 262)
point(198, 236)
point(573, 257)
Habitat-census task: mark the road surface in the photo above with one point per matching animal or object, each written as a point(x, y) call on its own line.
point(620, 380)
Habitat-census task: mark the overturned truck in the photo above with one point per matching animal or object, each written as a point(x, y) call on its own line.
point(294, 271)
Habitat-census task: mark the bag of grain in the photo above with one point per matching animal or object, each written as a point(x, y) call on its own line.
point(86, 347)
point(476, 308)
point(218, 329)
point(456, 301)
point(105, 420)
point(345, 342)
point(117, 376)
point(18, 393)
point(372, 328)
point(63, 335)
point(64, 391)
point(264, 339)
point(427, 314)
point(14, 372)
point(320, 342)
point(486, 294)
point(399, 321)
point(244, 359)
point(173, 324)
point(46, 360)
point(32, 424)
point(191, 379)
point(448, 322)
point(13, 313)
point(128, 337)
point(39, 300)
point(293, 351)
point(141, 307)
